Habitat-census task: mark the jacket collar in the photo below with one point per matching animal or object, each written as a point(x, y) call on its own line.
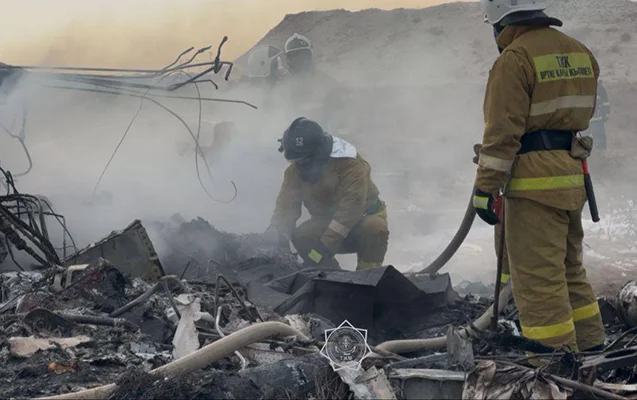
point(512, 32)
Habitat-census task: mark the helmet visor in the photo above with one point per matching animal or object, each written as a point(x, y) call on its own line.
point(300, 60)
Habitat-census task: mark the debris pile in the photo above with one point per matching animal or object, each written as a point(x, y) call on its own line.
point(254, 323)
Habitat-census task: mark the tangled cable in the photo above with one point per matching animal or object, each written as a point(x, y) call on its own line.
point(20, 137)
point(22, 216)
point(124, 85)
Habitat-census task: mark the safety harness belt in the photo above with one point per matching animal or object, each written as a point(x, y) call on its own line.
point(544, 140)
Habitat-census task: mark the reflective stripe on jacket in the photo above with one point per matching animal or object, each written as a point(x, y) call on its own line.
point(543, 80)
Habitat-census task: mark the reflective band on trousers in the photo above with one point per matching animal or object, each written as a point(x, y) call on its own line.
point(339, 228)
point(369, 264)
point(315, 256)
point(504, 278)
point(549, 331)
point(494, 163)
point(549, 182)
point(585, 312)
point(549, 107)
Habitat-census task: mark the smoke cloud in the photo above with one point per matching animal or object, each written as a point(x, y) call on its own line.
point(416, 89)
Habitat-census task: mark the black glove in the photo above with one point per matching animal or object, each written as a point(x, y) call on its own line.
point(476, 150)
point(318, 254)
point(485, 205)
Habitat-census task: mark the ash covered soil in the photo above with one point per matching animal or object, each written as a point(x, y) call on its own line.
point(126, 355)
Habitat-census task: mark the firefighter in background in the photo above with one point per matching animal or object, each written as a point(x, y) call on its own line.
point(224, 132)
point(309, 90)
point(265, 65)
point(541, 91)
point(597, 128)
point(328, 176)
point(294, 84)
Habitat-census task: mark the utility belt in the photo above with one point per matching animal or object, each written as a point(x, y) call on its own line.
point(578, 147)
point(545, 140)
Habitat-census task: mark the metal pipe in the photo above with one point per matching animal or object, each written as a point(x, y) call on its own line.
point(144, 297)
point(91, 320)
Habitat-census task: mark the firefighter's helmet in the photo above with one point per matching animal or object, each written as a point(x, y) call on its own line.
point(299, 53)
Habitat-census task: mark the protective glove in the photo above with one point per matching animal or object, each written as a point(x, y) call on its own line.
point(318, 254)
point(476, 149)
point(488, 206)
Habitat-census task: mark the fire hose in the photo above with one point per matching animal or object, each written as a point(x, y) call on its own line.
point(456, 241)
point(465, 226)
point(200, 358)
point(257, 332)
point(408, 346)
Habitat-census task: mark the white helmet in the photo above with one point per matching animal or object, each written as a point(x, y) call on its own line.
point(495, 10)
point(298, 42)
point(261, 61)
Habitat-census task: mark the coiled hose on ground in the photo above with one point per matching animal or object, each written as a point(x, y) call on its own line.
point(200, 358)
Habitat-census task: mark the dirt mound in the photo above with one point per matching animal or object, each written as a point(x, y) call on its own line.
point(447, 43)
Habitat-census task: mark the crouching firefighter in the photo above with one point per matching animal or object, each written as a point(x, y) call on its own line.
point(540, 93)
point(332, 181)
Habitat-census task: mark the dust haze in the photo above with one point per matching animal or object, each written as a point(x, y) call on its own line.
point(413, 111)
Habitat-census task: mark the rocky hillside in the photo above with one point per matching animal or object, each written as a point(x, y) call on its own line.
point(450, 42)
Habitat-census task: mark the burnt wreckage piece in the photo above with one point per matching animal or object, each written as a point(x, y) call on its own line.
point(368, 299)
point(130, 249)
point(274, 279)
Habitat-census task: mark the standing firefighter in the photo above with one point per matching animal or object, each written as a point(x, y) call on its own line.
point(541, 92)
point(333, 182)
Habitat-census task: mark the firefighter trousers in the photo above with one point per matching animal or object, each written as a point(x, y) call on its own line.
point(368, 239)
point(556, 302)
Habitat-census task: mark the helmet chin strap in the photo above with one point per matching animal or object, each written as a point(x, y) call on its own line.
point(497, 29)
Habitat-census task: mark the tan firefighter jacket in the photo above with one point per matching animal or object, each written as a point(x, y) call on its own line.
point(343, 196)
point(543, 80)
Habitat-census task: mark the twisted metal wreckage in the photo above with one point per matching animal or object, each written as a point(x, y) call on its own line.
point(109, 312)
point(138, 83)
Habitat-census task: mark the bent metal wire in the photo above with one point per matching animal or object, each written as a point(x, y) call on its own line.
point(82, 75)
point(85, 79)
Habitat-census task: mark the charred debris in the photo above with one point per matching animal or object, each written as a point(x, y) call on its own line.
point(219, 315)
point(244, 320)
